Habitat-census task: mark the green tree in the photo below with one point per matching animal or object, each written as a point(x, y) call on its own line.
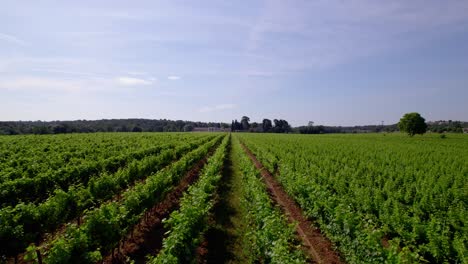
point(188, 128)
point(412, 123)
point(281, 126)
point(245, 123)
point(267, 125)
point(137, 129)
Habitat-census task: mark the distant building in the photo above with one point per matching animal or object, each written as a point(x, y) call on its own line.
point(465, 130)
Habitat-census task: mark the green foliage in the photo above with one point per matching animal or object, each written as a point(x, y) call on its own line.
point(270, 237)
point(364, 190)
point(32, 220)
point(25, 223)
point(104, 226)
point(412, 123)
point(187, 224)
point(28, 175)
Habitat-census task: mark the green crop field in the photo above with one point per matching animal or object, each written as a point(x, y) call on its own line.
point(378, 197)
point(201, 197)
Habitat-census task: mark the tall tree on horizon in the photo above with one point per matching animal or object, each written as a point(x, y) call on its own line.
point(245, 123)
point(267, 125)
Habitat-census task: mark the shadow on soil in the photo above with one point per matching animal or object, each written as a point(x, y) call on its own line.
point(223, 240)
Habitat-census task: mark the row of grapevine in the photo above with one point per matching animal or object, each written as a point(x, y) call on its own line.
point(187, 224)
point(380, 199)
point(29, 155)
point(26, 223)
point(271, 238)
point(106, 225)
point(42, 185)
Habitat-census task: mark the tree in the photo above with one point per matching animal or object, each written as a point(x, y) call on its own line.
point(412, 123)
point(267, 125)
point(61, 128)
point(245, 123)
point(188, 128)
point(281, 126)
point(236, 126)
point(253, 127)
point(137, 129)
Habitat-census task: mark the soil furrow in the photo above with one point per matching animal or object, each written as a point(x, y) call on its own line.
point(147, 236)
point(319, 248)
point(224, 240)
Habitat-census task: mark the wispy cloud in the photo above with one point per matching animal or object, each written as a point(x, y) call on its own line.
point(137, 73)
point(12, 39)
point(328, 33)
point(65, 72)
point(219, 107)
point(80, 83)
point(32, 84)
point(131, 81)
point(173, 77)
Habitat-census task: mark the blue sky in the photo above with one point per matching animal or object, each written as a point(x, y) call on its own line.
point(332, 62)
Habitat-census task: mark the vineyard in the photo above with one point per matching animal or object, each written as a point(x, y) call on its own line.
point(237, 198)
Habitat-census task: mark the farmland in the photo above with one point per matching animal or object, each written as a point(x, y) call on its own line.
point(268, 198)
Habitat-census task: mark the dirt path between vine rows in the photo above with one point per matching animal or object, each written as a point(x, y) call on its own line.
point(319, 248)
point(147, 236)
point(224, 240)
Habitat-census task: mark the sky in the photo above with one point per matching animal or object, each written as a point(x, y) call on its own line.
point(333, 62)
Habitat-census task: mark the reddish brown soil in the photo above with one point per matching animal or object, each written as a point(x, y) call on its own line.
point(147, 236)
point(202, 252)
point(319, 248)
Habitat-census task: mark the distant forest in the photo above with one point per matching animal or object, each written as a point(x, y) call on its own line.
point(104, 125)
point(164, 125)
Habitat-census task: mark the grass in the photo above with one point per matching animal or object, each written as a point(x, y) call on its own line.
point(226, 235)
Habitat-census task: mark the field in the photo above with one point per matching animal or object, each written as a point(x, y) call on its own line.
point(237, 198)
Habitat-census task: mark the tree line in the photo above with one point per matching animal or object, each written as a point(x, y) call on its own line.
point(267, 126)
point(105, 125)
point(164, 125)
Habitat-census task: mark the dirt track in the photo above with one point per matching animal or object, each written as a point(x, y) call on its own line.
point(315, 244)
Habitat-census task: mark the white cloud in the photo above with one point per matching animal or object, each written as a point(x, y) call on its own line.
point(219, 107)
point(12, 39)
point(130, 81)
point(173, 77)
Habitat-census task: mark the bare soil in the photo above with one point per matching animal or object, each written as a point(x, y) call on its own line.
point(315, 244)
